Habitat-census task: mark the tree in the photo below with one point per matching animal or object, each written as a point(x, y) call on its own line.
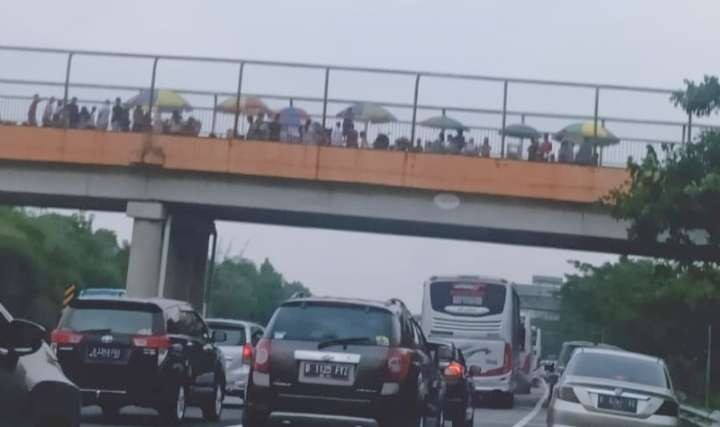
point(676, 196)
point(243, 291)
point(644, 306)
point(40, 255)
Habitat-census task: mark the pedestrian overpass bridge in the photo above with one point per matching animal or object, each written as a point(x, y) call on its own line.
point(175, 187)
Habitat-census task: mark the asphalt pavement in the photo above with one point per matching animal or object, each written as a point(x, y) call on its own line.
point(527, 413)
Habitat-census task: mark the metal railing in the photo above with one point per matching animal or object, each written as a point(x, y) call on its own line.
point(699, 417)
point(215, 122)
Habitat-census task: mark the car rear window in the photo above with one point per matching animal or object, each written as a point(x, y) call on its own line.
point(131, 320)
point(235, 334)
point(619, 368)
point(323, 322)
point(468, 298)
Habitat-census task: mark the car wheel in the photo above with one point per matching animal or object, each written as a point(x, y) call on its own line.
point(212, 410)
point(173, 411)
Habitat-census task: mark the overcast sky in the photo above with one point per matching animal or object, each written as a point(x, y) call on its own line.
point(649, 43)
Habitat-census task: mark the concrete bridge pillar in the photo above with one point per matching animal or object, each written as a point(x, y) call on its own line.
point(146, 249)
point(168, 254)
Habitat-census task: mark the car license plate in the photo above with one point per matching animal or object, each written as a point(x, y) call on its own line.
point(617, 403)
point(104, 354)
point(327, 372)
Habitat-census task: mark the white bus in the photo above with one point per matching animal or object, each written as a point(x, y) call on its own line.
point(481, 315)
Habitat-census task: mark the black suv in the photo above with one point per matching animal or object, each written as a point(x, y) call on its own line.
point(152, 353)
point(328, 361)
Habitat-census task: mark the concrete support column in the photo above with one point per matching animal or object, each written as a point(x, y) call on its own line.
point(187, 259)
point(146, 249)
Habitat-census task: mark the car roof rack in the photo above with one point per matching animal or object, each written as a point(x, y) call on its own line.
point(396, 301)
point(299, 294)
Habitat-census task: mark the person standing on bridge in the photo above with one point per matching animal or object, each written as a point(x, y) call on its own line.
point(117, 114)
point(47, 116)
point(32, 111)
point(73, 114)
point(534, 150)
point(103, 117)
point(546, 148)
point(485, 149)
point(336, 139)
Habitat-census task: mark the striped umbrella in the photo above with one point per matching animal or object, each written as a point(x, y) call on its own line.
point(292, 116)
point(367, 112)
point(249, 105)
point(166, 100)
point(580, 132)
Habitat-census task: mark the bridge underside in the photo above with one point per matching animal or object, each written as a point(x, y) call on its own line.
point(334, 206)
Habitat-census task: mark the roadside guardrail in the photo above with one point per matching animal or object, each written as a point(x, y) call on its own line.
point(699, 417)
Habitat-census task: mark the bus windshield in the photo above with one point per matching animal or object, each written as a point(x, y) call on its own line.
point(470, 299)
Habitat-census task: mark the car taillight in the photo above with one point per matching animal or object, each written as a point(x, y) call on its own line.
point(669, 409)
point(247, 354)
point(161, 342)
point(60, 337)
point(507, 364)
point(261, 359)
point(567, 394)
point(454, 371)
point(398, 365)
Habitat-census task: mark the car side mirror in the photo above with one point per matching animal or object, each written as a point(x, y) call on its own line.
point(219, 336)
point(475, 371)
point(23, 338)
point(682, 397)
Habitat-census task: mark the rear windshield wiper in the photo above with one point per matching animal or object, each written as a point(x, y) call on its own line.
point(344, 341)
point(95, 331)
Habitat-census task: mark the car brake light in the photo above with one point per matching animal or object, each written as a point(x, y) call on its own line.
point(398, 364)
point(60, 337)
point(161, 342)
point(247, 354)
point(454, 370)
point(261, 359)
point(669, 409)
point(507, 364)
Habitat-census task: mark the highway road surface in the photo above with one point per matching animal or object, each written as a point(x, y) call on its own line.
point(526, 413)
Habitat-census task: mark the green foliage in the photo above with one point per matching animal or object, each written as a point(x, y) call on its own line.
point(645, 306)
point(675, 195)
point(699, 99)
point(243, 291)
point(40, 255)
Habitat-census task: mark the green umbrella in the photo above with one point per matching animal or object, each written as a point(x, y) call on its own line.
point(442, 122)
point(520, 131)
point(578, 133)
point(166, 100)
point(367, 112)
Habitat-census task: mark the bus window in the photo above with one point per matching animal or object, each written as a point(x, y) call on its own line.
point(468, 299)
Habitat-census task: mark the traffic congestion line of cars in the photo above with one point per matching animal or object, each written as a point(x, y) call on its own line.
point(319, 361)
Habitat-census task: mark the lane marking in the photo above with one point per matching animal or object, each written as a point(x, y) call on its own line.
point(534, 413)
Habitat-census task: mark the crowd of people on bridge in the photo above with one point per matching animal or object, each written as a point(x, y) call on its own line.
point(120, 117)
point(115, 117)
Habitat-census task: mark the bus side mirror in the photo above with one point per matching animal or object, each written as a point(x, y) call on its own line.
point(522, 335)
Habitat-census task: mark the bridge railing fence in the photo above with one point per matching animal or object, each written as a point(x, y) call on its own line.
point(325, 101)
